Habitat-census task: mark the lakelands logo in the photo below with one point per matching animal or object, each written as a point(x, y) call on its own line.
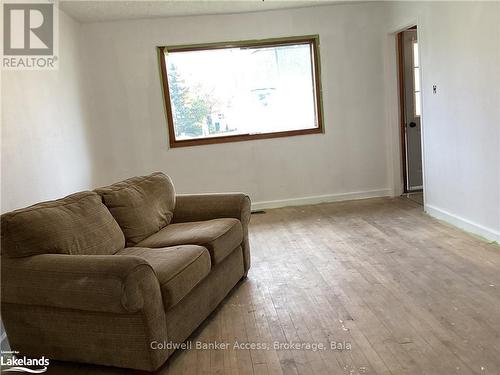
point(11, 363)
point(29, 35)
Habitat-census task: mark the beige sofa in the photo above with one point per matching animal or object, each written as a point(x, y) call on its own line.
point(103, 277)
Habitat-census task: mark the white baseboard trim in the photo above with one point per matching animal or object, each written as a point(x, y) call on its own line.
point(303, 201)
point(462, 223)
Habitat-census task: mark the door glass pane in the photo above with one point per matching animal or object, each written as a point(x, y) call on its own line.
point(416, 79)
point(417, 104)
point(415, 54)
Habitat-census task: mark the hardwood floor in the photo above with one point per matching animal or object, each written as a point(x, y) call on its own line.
point(408, 294)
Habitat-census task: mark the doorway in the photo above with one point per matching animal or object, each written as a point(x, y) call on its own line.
point(410, 109)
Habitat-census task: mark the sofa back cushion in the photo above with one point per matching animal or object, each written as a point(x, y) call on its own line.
point(78, 224)
point(141, 205)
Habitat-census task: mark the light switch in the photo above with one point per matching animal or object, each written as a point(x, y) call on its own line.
point(434, 89)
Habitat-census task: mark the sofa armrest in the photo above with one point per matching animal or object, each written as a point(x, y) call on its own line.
point(198, 207)
point(101, 283)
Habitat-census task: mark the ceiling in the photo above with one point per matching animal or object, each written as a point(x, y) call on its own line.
point(110, 10)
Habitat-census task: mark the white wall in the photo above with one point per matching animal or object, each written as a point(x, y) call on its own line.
point(44, 135)
point(54, 142)
point(460, 53)
point(129, 126)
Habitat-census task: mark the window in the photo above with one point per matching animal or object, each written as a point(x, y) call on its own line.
point(416, 80)
point(238, 91)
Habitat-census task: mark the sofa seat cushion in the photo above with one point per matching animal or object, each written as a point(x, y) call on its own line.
point(179, 269)
point(140, 205)
point(219, 236)
point(78, 224)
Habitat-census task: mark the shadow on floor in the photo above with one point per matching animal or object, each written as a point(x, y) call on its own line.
point(417, 197)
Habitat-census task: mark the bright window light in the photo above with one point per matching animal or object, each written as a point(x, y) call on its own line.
point(240, 91)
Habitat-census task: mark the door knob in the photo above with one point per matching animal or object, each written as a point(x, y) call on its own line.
point(412, 124)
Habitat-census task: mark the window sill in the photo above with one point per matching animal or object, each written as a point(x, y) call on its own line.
point(241, 137)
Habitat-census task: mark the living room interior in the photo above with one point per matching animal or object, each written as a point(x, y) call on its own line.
point(250, 187)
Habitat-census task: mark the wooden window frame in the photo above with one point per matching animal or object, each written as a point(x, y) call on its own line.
point(312, 40)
